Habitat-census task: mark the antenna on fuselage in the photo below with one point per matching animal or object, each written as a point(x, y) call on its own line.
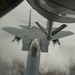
point(29, 19)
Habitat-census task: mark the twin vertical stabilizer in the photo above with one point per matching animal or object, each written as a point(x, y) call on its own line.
point(29, 19)
point(29, 23)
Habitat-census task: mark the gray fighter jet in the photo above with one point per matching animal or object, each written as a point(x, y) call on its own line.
point(44, 35)
point(36, 40)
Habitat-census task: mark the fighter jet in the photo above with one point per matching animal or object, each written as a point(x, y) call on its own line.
point(44, 35)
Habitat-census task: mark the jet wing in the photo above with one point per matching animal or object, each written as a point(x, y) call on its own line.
point(33, 32)
point(21, 33)
point(62, 34)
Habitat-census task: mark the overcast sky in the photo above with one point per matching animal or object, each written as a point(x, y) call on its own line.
point(59, 58)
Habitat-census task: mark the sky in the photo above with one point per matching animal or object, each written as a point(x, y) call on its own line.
point(59, 58)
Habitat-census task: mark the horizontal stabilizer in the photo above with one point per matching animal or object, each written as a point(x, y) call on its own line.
point(62, 34)
point(58, 29)
point(42, 28)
